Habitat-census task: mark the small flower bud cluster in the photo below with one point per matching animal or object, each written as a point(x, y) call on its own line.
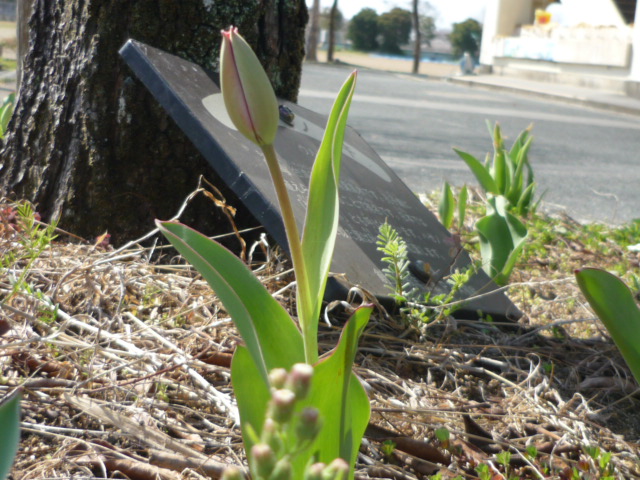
point(336, 470)
point(287, 430)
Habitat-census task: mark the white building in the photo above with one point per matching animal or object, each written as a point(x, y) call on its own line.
point(588, 42)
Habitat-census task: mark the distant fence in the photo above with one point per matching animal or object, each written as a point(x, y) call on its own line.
point(8, 11)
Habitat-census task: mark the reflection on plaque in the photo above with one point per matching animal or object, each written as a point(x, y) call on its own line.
point(370, 192)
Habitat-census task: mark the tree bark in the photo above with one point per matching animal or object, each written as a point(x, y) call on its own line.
point(332, 31)
point(23, 12)
point(88, 145)
point(312, 38)
point(416, 46)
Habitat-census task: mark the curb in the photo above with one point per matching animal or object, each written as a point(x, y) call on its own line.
point(574, 100)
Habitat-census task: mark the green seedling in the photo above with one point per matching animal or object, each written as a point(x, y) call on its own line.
point(444, 437)
point(394, 250)
point(504, 459)
point(483, 471)
point(414, 308)
point(388, 447)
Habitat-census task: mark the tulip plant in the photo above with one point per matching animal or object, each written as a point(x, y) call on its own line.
point(505, 175)
point(10, 428)
point(616, 307)
point(272, 339)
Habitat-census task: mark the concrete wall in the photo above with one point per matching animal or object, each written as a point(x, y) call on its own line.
point(502, 18)
point(581, 40)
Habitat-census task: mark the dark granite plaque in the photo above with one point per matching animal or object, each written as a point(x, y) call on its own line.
point(370, 191)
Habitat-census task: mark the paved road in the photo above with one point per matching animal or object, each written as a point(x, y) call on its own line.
point(587, 161)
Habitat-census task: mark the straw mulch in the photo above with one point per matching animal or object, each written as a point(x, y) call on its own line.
point(124, 359)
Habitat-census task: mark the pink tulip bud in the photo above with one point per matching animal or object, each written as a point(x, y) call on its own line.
point(337, 470)
point(314, 472)
point(282, 405)
point(247, 92)
point(309, 424)
point(300, 380)
point(263, 460)
point(278, 378)
point(232, 473)
point(282, 470)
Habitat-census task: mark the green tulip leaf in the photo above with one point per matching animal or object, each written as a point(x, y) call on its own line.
point(524, 205)
point(614, 304)
point(502, 238)
point(252, 395)
point(321, 223)
point(340, 398)
point(264, 324)
point(480, 171)
point(462, 206)
point(520, 160)
point(500, 172)
point(10, 427)
point(447, 206)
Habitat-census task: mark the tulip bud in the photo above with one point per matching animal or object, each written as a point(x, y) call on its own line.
point(278, 378)
point(247, 92)
point(263, 460)
point(282, 405)
point(299, 381)
point(232, 473)
point(271, 435)
point(314, 472)
point(337, 470)
point(282, 470)
point(309, 424)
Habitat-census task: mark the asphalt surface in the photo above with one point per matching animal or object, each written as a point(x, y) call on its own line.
point(586, 160)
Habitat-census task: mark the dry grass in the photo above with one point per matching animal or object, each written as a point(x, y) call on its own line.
point(124, 359)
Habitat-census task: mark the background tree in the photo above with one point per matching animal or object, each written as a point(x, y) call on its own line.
point(88, 144)
point(332, 30)
point(466, 37)
point(313, 31)
point(394, 27)
point(423, 25)
point(417, 40)
point(363, 30)
point(427, 28)
point(325, 19)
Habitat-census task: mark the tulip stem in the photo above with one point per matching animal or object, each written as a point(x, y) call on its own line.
point(295, 249)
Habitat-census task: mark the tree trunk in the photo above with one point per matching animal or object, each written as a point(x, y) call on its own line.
point(416, 46)
point(332, 31)
point(88, 145)
point(314, 28)
point(23, 12)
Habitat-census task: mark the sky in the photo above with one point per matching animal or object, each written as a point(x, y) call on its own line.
point(446, 11)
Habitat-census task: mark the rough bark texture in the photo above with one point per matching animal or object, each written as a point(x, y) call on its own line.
point(87, 144)
point(23, 12)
